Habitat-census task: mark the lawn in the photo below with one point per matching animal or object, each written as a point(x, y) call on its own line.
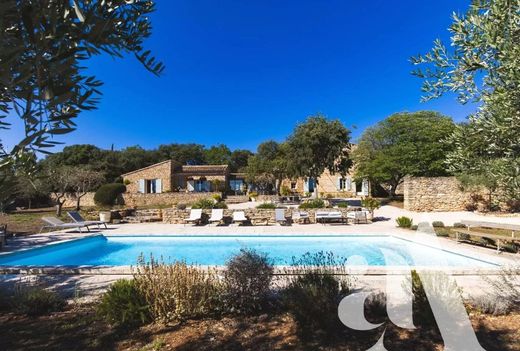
point(27, 222)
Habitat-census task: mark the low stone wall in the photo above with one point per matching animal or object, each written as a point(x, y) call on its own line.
point(138, 199)
point(257, 216)
point(430, 194)
point(163, 199)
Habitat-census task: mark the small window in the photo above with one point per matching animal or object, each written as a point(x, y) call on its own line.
point(293, 185)
point(152, 186)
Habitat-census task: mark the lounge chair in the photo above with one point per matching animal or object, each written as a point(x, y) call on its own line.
point(195, 217)
point(58, 224)
point(358, 216)
point(239, 217)
point(77, 218)
point(217, 215)
point(301, 217)
point(334, 216)
point(279, 214)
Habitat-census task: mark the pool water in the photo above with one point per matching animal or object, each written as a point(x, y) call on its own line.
point(216, 250)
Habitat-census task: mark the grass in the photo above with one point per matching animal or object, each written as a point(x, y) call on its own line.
point(24, 223)
point(450, 233)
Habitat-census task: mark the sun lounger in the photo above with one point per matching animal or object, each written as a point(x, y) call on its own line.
point(329, 217)
point(58, 224)
point(301, 217)
point(239, 217)
point(358, 216)
point(76, 217)
point(279, 214)
point(195, 217)
point(217, 215)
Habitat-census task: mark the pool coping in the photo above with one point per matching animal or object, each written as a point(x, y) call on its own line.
point(278, 270)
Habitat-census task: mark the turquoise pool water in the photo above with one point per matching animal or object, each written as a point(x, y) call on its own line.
point(216, 250)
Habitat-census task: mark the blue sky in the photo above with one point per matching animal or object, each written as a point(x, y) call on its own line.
point(240, 72)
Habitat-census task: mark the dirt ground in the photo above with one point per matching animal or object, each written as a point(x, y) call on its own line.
point(78, 328)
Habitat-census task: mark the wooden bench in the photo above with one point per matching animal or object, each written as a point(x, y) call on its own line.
point(499, 238)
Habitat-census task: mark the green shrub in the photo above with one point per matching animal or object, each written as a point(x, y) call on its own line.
point(108, 194)
point(203, 203)
point(267, 205)
point(247, 282)
point(217, 197)
point(442, 232)
point(221, 204)
point(36, 301)
point(285, 190)
point(404, 222)
point(177, 292)
point(438, 224)
point(315, 203)
point(124, 305)
point(459, 225)
point(343, 205)
point(370, 204)
point(181, 206)
point(253, 194)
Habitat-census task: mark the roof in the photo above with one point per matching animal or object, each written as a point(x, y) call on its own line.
point(148, 167)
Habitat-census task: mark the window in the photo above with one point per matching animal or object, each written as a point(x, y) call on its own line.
point(236, 184)
point(293, 185)
point(153, 186)
point(342, 184)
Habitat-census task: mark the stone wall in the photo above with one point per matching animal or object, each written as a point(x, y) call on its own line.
point(256, 215)
point(162, 170)
point(431, 194)
point(140, 200)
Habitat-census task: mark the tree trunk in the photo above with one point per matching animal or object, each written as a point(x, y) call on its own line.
point(78, 200)
point(59, 206)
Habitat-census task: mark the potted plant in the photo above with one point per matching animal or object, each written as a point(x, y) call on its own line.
point(253, 195)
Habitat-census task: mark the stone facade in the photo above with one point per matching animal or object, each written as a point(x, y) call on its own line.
point(329, 184)
point(434, 194)
point(162, 170)
point(256, 215)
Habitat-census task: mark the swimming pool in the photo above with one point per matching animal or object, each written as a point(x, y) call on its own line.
point(101, 250)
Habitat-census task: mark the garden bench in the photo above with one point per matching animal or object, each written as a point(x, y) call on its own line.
point(498, 238)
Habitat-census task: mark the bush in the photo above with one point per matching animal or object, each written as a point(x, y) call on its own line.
point(312, 299)
point(36, 301)
point(314, 292)
point(493, 304)
point(220, 205)
point(178, 292)
point(217, 197)
point(108, 194)
point(414, 227)
point(459, 225)
point(370, 204)
point(253, 194)
point(267, 205)
point(247, 281)
point(285, 190)
point(404, 222)
point(315, 203)
point(442, 232)
point(343, 205)
point(438, 224)
point(181, 206)
point(375, 307)
point(124, 305)
point(203, 203)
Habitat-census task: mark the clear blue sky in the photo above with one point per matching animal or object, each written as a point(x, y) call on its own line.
point(240, 72)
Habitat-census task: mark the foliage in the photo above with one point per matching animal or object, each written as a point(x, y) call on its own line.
point(217, 155)
point(217, 197)
point(404, 222)
point(35, 301)
point(247, 282)
point(220, 204)
point(108, 194)
point(482, 65)
point(506, 285)
point(177, 292)
point(285, 191)
point(314, 203)
point(438, 224)
point(43, 50)
point(123, 304)
point(84, 180)
point(203, 203)
point(459, 225)
point(181, 206)
point(492, 304)
point(267, 205)
point(314, 292)
point(316, 145)
point(253, 194)
point(239, 160)
point(370, 204)
point(267, 168)
point(403, 144)
point(7, 188)
point(58, 181)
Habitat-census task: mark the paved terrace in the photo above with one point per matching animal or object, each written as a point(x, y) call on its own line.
point(91, 283)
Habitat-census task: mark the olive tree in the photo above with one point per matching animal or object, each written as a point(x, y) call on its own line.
point(482, 64)
point(44, 46)
point(83, 180)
